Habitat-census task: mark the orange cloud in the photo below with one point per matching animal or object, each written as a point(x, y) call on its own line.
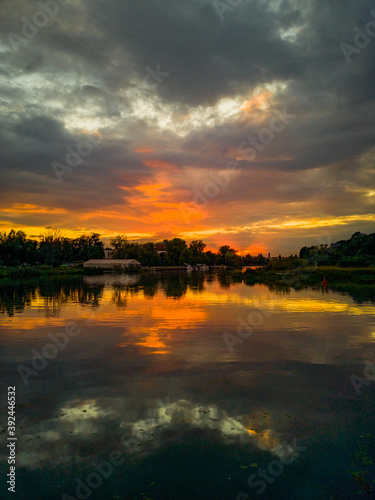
point(260, 101)
point(24, 208)
point(254, 250)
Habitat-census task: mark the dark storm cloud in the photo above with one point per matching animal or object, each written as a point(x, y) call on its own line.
point(207, 59)
point(43, 129)
point(35, 143)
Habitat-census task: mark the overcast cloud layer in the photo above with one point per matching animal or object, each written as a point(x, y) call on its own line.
point(162, 98)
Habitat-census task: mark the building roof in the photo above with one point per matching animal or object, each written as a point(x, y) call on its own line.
point(112, 261)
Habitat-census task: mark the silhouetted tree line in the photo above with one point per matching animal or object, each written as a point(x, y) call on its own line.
point(358, 251)
point(52, 249)
point(178, 252)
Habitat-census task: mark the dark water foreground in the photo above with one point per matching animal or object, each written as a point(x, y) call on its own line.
point(188, 387)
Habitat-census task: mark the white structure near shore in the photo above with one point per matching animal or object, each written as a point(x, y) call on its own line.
point(112, 263)
point(108, 253)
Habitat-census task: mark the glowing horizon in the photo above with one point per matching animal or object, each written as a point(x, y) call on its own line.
point(146, 141)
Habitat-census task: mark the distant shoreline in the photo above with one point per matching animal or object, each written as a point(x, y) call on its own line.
point(301, 276)
point(298, 276)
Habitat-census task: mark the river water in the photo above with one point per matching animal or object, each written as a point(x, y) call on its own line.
point(175, 386)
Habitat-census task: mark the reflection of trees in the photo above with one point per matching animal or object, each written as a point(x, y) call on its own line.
point(360, 293)
point(280, 288)
point(119, 293)
point(196, 282)
point(225, 280)
point(14, 298)
point(174, 284)
point(150, 284)
point(49, 295)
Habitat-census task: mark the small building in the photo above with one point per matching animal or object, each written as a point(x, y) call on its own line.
point(112, 263)
point(160, 247)
point(108, 253)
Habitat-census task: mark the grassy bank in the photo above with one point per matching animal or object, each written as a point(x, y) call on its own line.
point(39, 271)
point(300, 276)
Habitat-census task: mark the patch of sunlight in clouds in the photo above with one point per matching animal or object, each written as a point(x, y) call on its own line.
point(274, 225)
point(290, 34)
point(166, 117)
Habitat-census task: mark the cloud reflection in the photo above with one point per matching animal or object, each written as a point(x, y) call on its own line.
point(81, 423)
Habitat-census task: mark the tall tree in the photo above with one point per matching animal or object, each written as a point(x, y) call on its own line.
point(149, 255)
point(16, 248)
point(196, 255)
point(176, 252)
point(50, 247)
point(228, 255)
point(121, 246)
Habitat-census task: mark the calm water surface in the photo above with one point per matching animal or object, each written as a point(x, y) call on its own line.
point(155, 370)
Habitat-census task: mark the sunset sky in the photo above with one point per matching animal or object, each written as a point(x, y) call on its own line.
point(243, 125)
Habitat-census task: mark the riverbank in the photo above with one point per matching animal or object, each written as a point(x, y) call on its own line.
point(41, 271)
point(301, 276)
point(298, 276)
